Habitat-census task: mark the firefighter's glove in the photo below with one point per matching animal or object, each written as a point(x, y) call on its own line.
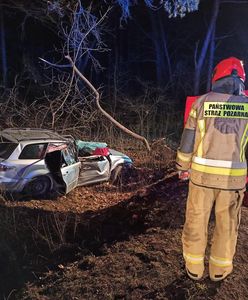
point(183, 175)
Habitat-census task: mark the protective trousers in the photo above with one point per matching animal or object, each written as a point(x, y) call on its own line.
point(195, 232)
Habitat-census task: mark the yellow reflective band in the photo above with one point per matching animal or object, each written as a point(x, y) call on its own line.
point(193, 262)
point(193, 259)
point(201, 125)
point(220, 262)
point(243, 144)
point(193, 113)
point(219, 163)
point(218, 171)
point(225, 110)
point(183, 157)
point(220, 265)
point(194, 255)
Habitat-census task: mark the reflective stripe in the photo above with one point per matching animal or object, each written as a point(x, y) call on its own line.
point(219, 163)
point(243, 144)
point(194, 259)
point(218, 171)
point(183, 157)
point(201, 125)
point(220, 262)
point(193, 113)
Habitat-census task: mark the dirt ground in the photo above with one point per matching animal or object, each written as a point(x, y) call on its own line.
point(112, 242)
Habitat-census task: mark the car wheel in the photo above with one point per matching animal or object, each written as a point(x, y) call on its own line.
point(116, 175)
point(39, 187)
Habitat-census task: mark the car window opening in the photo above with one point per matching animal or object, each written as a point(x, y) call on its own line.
point(54, 162)
point(6, 149)
point(34, 151)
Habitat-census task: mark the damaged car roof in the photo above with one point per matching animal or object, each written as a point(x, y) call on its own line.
point(17, 135)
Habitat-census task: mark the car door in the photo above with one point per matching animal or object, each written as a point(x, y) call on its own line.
point(94, 169)
point(70, 168)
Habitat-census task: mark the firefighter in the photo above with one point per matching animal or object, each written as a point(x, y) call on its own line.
point(212, 155)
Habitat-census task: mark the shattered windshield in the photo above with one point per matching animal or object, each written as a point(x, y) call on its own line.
point(6, 149)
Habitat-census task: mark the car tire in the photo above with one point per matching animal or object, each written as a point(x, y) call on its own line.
point(39, 187)
point(116, 175)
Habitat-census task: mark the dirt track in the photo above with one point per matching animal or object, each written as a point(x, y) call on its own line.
point(118, 244)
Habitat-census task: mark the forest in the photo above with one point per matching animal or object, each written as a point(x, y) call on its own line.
point(143, 57)
point(115, 71)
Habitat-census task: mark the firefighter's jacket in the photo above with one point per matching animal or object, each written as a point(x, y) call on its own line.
point(214, 141)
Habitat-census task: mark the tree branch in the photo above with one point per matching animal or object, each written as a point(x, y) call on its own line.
point(108, 116)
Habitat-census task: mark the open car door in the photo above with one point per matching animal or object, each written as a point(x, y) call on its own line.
point(62, 161)
point(71, 168)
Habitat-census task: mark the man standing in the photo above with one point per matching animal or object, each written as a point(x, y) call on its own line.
point(212, 149)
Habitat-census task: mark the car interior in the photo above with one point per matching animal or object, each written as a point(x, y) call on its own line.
point(54, 162)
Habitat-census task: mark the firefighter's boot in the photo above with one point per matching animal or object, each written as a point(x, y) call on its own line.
point(217, 273)
point(195, 271)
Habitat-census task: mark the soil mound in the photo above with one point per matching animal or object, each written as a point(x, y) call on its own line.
point(109, 242)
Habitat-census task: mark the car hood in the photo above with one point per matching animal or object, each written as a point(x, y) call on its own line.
point(126, 158)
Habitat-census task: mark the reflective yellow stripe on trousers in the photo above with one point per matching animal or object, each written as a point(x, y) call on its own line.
point(193, 259)
point(220, 262)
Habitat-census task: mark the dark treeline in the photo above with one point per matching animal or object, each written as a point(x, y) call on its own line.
point(146, 55)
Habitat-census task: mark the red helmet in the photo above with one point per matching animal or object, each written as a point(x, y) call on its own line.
point(228, 67)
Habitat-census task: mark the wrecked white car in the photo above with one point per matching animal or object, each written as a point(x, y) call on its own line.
point(37, 162)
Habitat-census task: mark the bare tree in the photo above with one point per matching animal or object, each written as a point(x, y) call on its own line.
point(209, 45)
point(211, 59)
point(3, 48)
point(97, 95)
point(200, 59)
point(174, 8)
point(84, 26)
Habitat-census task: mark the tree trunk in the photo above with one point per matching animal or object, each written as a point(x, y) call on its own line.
point(211, 60)
point(165, 48)
point(204, 49)
point(156, 36)
point(3, 49)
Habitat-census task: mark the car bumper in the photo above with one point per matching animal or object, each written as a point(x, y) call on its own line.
point(12, 185)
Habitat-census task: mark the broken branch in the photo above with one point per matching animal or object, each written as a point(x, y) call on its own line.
point(107, 115)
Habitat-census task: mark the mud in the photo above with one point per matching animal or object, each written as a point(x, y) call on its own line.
point(110, 242)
